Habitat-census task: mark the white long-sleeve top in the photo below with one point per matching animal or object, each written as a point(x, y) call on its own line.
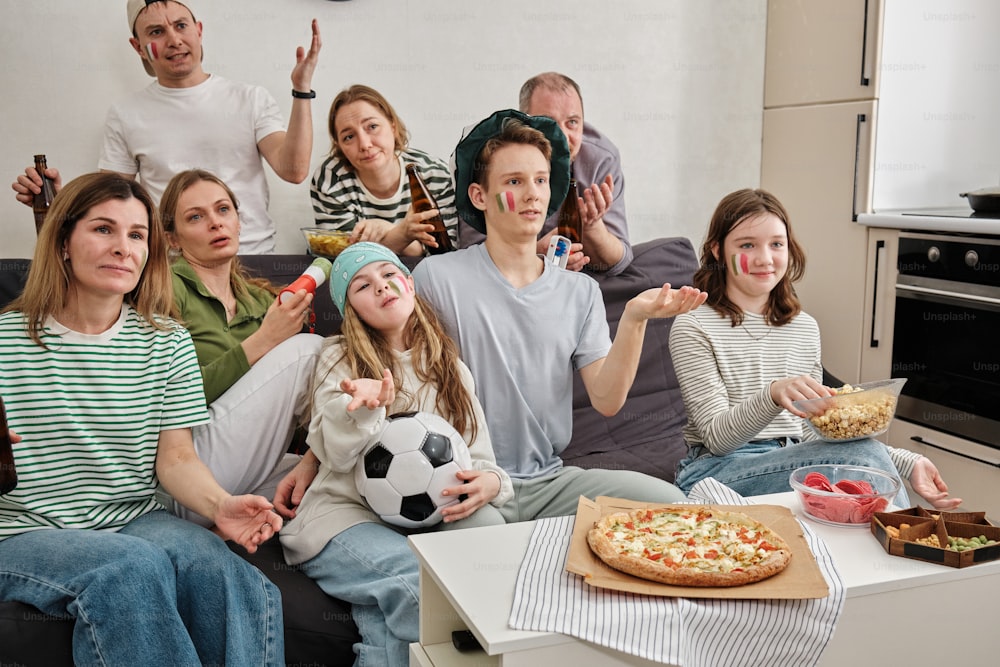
point(725, 374)
point(337, 437)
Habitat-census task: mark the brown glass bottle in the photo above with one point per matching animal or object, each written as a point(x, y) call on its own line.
point(8, 473)
point(424, 201)
point(42, 201)
point(570, 224)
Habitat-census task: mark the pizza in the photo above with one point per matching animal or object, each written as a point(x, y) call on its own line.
point(689, 545)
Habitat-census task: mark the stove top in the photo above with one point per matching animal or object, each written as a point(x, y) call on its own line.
point(963, 213)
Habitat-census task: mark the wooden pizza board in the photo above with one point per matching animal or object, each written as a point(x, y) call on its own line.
point(801, 579)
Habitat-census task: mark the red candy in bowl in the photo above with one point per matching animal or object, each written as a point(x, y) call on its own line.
point(843, 495)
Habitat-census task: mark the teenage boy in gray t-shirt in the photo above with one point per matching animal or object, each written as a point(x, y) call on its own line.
point(524, 325)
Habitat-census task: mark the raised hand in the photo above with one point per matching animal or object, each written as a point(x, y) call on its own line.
point(305, 62)
point(664, 302)
point(369, 393)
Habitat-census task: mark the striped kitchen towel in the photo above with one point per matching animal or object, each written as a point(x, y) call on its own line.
point(676, 631)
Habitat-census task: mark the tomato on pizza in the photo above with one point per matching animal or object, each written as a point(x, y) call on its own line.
point(689, 545)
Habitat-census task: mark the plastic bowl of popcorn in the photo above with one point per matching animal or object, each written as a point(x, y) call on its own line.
point(842, 495)
point(326, 242)
point(855, 412)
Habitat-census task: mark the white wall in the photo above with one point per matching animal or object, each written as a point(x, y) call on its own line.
point(677, 84)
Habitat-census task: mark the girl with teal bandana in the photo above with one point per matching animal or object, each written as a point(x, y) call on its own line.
point(392, 355)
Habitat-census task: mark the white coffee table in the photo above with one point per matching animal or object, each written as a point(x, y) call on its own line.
point(898, 610)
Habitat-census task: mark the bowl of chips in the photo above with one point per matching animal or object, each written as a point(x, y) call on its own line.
point(854, 412)
point(842, 495)
point(326, 242)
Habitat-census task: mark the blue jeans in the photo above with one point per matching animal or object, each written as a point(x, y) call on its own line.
point(762, 467)
point(160, 591)
point(372, 567)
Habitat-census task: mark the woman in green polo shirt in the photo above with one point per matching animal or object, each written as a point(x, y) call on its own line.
point(256, 363)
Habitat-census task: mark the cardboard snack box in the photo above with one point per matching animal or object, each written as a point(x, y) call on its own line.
point(921, 524)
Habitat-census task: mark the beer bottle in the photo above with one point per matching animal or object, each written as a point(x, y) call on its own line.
point(42, 201)
point(8, 473)
point(570, 223)
point(423, 201)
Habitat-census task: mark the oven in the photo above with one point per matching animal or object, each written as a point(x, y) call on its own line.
point(945, 334)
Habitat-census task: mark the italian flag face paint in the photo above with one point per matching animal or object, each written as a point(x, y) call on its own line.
point(399, 284)
point(740, 263)
point(151, 51)
point(505, 201)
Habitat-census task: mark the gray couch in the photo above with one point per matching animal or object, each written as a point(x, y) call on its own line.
point(645, 436)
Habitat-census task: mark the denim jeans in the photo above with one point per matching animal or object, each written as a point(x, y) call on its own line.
point(160, 591)
point(762, 467)
point(372, 567)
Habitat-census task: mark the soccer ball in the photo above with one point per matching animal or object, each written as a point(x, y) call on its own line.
point(401, 475)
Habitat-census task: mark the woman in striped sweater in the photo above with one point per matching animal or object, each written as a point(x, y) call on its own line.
point(102, 390)
point(750, 351)
point(362, 186)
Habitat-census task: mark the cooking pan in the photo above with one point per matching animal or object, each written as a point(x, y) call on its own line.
point(985, 200)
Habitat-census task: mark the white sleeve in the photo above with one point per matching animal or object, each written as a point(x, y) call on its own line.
point(115, 154)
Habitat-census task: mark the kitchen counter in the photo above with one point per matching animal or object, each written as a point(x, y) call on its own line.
point(947, 220)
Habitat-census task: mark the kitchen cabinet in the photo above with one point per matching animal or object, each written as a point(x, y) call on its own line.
point(817, 160)
point(970, 470)
point(822, 51)
point(879, 305)
point(820, 120)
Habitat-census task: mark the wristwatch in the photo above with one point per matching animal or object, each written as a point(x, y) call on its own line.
point(303, 96)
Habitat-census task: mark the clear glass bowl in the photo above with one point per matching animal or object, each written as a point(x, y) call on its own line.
point(865, 412)
point(856, 493)
point(325, 242)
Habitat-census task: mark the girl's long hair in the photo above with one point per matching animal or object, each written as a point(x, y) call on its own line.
point(712, 275)
point(434, 355)
point(47, 288)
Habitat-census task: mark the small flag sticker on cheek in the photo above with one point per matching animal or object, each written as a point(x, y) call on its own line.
point(505, 201)
point(399, 284)
point(151, 51)
point(741, 263)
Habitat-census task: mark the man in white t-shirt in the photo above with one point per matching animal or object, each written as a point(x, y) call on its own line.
point(189, 118)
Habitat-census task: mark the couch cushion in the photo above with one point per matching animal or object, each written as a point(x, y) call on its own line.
point(29, 637)
point(13, 273)
point(319, 629)
point(646, 434)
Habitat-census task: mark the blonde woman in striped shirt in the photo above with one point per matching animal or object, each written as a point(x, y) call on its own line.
point(362, 186)
point(750, 351)
point(102, 390)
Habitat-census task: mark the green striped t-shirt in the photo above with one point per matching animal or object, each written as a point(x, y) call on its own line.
point(90, 409)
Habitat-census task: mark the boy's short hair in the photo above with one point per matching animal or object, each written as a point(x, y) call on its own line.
point(512, 131)
point(472, 156)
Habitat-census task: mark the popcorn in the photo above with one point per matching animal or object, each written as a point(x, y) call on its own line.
point(848, 419)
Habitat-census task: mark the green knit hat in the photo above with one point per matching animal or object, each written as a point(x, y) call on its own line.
point(471, 144)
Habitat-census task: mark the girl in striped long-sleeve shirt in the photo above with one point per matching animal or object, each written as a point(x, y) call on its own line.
point(750, 351)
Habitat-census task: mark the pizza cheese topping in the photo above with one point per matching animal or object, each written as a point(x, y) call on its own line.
point(690, 539)
point(693, 546)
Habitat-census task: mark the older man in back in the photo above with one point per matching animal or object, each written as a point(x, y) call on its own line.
point(596, 167)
